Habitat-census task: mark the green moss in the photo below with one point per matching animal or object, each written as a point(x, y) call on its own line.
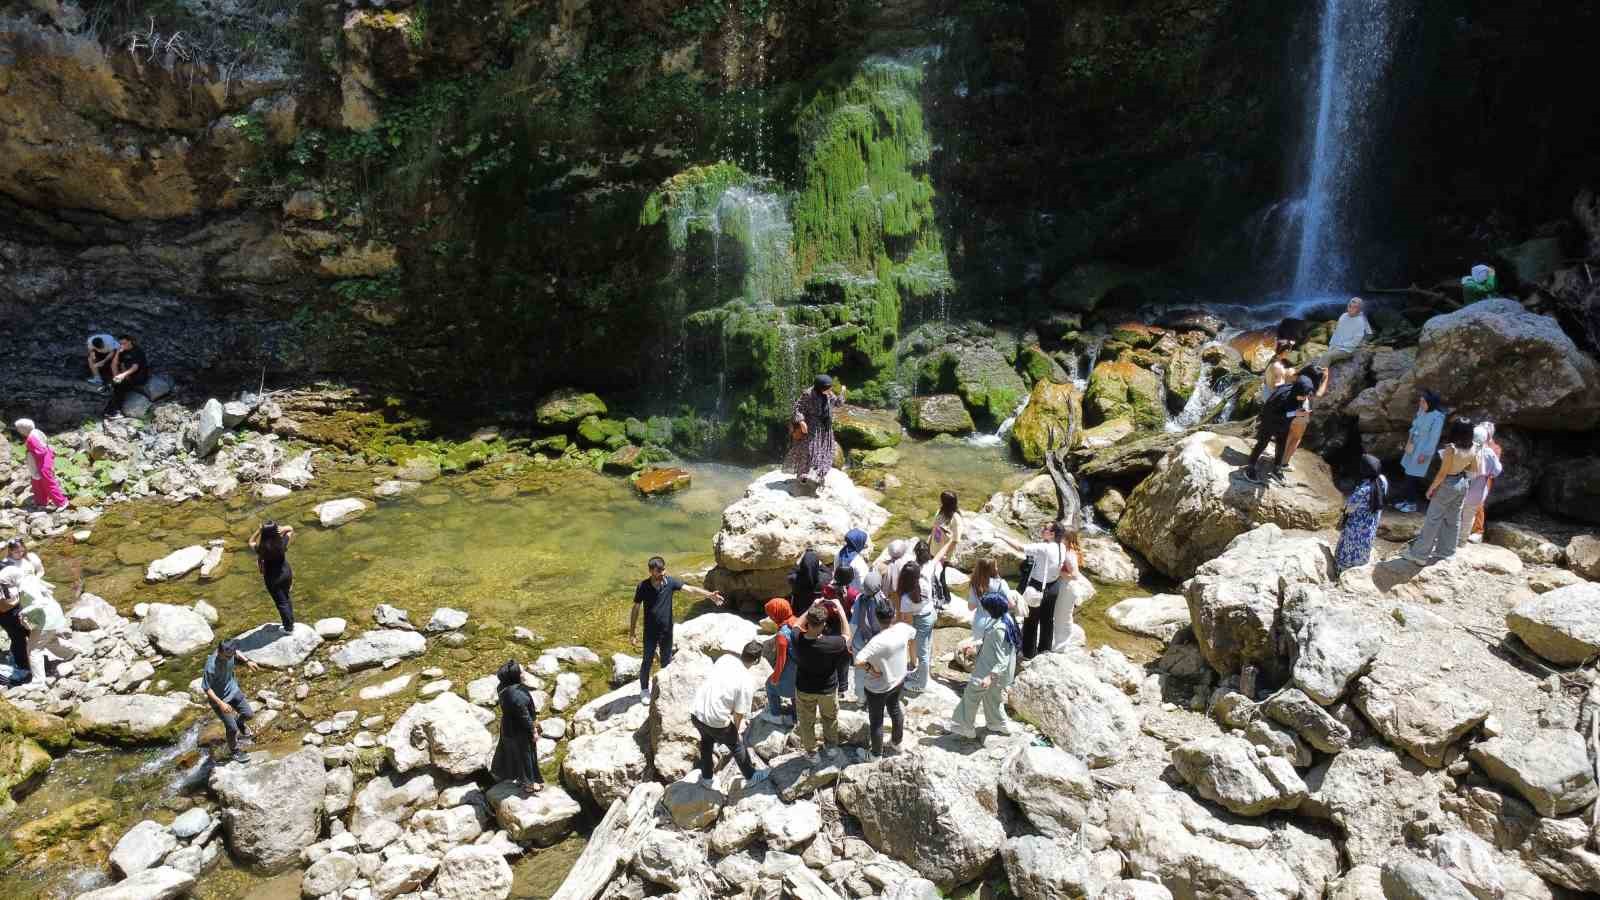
point(75, 821)
point(1120, 389)
point(594, 431)
point(51, 731)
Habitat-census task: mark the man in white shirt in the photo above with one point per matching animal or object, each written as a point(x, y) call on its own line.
point(720, 706)
point(883, 660)
point(102, 350)
point(1348, 334)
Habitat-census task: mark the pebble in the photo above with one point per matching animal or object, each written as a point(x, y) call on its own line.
point(301, 691)
point(140, 610)
point(314, 740)
point(524, 636)
point(434, 672)
point(364, 740)
point(315, 669)
point(372, 721)
point(391, 662)
point(435, 688)
point(82, 537)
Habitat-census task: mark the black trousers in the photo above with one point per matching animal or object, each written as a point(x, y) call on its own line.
point(1265, 433)
point(657, 640)
point(120, 392)
point(1039, 627)
point(877, 705)
point(11, 622)
point(278, 588)
point(727, 736)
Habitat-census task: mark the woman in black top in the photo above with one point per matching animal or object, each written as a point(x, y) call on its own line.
point(516, 757)
point(17, 631)
point(805, 582)
point(271, 543)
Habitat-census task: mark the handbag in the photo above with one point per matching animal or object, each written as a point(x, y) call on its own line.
point(1032, 596)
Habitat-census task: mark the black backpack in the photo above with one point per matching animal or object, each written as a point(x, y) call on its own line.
point(1283, 400)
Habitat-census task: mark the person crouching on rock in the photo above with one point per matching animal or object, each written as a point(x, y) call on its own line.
point(516, 755)
point(271, 544)
point(991, 672)
point(811, 429)
point(132, 372)
point(1283, 406)
point(225, 696)
point(720, 705)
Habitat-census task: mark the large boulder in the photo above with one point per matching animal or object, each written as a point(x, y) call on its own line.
point(160, 883)
point(866, 429)
point(1041, 868)
point(562, 410)
point(542, 818)
point(1159, 617)
point(333, 513)
point(1496, 360)
point(767, 529)
point(272, 808)
point(473, 873)
point(713, 634)
point(604, 766)
point(1551, 769)
point(175, 565)
point(938, 414)
point(933, 810)
point(208, 429)
point(377, 645)
point(1234, 599)
point(1052, 418)
point(674, 741)
point(980, 538)
point(1229, 770)
point(1168, 837)
point(1331, 646)
point(1051, 787)
point(134, 718)
point(987, 382)
point(1562, 625)
point(1082, 715)
point(272, 647)
point(1405, 877)
point(445, 732)
point(1119, 389)
point(1197, 500)
point(392, 798)
point(1571, 488)
point(1025, 509)
point(1373, 794)
point(1423, 716)
point(176, 630)
point(143, 847)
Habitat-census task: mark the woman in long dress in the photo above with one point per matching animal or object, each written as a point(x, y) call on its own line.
point(811, 456)
point(1490, 467)
point(41, 466)
point(516, 756)
point(1362, 511)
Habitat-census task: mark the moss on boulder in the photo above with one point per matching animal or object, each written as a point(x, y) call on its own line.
point(881, 458)
point(1037, 365)
point(53, 732)
point(938, 414)
point(866, 429)
point(608, 434)
point(1120, 389)
point(625, 460)
point(1053, 414)
point(22, 764)
point(72, 823)
point(565, 408)
point(1182, 373)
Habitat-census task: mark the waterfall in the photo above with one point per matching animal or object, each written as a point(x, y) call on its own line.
point(1356, 43)
point(759, 221)
point(979, 439)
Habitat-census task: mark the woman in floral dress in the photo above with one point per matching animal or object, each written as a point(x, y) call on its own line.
point(811, 455)
point(1361, 514)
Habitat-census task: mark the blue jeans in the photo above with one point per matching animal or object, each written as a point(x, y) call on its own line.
point(918, 683)
point(657, 638)
point(776, 693)
point(233, 725)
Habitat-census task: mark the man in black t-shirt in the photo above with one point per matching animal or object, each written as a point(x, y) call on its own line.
point(1284, 404)
point(654, 595)
point(132, 371)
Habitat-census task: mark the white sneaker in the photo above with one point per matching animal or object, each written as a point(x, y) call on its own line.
point(1475, 539)
point(644, 696)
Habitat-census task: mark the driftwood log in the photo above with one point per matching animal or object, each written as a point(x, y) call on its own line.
point(1069, 505)
point(612, 844)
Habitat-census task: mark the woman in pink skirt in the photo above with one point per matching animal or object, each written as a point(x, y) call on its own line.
point(811, 429)
point(41, 466)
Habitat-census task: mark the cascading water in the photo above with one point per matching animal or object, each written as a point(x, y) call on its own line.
point(978, 439)
point(1356, 39)
point(759, 221)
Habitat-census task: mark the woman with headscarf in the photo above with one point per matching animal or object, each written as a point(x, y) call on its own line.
point(41, 459)
point(852, 557)
point(1426, 428)
point(805, 581)
point(1362, 511)
point(811, 428)
point(1441, 527)
point(991, 671)
point(780, 684)
point(1490, 467)
point(516, 756)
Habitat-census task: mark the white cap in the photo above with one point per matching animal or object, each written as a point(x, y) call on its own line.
point(1481, 273)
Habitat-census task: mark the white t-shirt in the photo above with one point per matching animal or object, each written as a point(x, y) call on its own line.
point(1350, 332)
point(859, 568)
point(887, 653)
point(1046, 556)
point(109, 343)
point(725, 693)
point(895, 565)
point(926, 606)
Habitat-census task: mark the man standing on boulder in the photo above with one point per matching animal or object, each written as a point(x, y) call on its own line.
point(654, 595)
point(225, 696)
point(811, 429)
point(1284, 404)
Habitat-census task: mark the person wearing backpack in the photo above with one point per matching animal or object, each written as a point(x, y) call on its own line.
point(1283, 406)
point(778, 652)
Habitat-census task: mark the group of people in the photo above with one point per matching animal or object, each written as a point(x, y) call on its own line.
point(32, 620)
point(116, 365)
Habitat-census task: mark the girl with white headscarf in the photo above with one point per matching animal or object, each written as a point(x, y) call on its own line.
point(1489, 467)
point(41, 459)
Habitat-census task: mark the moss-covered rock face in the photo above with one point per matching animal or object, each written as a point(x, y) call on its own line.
point(1053, 416)
point(609, 434)
point(563, 409)
point(988, 384)
point(1035, 366)
point(866, 429)
point(1119, 389)
point(1181, 374)
point(22, 763)
point(53, 732)
point(74, 822)
point(881, 458)
point(938, 414)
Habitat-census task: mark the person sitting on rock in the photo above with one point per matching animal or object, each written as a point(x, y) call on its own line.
point(1348, 334)
point(817, 655)
point(720, 705)
point(227, 699)
point(991, 672)
point(132, 372)
point(1277, 415)
point(811, 428)
point(516, 753)
point(102, 354)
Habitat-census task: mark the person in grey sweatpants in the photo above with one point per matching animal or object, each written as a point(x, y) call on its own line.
point(1441, 528)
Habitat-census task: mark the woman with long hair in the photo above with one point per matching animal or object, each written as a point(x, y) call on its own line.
point(516, 755)
point(985, 580)
point(1362, 512)
point(1045, 559)
point(1441, 528)
point(1302, 420)
point(1075, 590)
point(943, 538)
point(917, 609)
point(1278, 371)
point(271, 544)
